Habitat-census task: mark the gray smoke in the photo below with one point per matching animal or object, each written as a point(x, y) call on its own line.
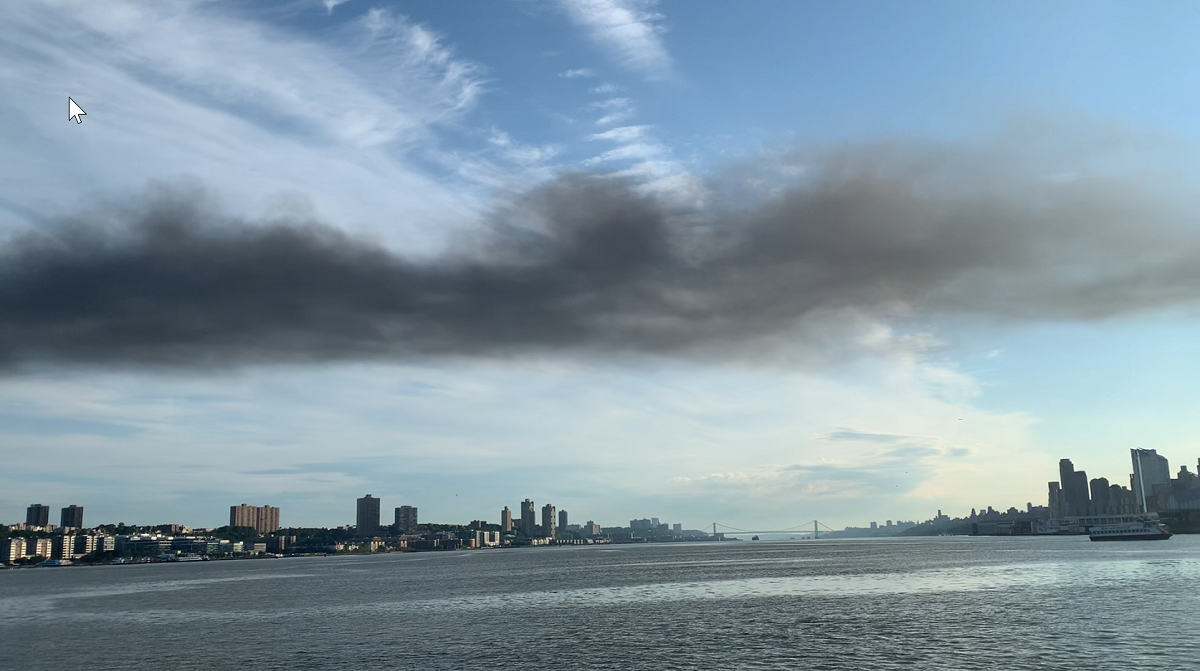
point(587, 263)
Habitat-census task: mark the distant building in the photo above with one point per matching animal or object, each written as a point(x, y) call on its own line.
point(677, 528)
point(13, 549)
point(1149, 470)
point(1074, 488)
point(506, 522)
point(641, 525)
point(528, 518)
point(548, 521)
point(591, 528)
point(72, 516)
point(263, 519)
point(37, 515)
point(406, 518)
point(39, 547)
point(62, 547)
point(562, 519)
point(367, 520)
point(1100, 496)
point(1055, 501)
point(86, 544)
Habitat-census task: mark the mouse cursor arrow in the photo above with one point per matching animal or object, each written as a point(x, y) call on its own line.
point(75, 111)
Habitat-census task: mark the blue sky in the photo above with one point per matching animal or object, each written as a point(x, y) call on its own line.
point(411, 124)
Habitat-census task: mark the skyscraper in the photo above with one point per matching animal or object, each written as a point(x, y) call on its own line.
point(263, 519)
point(1149, 469)
point(37, 515)
point(1100, 497)
point(1074, 487)
point(367, 520)
point(72, 516)
point(406, 518)
point(548, 521)
point(562, 519)
point(528, 518)
point(1054, 501)
point(506, 523)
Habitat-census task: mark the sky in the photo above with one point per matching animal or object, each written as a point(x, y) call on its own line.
point(747, 263)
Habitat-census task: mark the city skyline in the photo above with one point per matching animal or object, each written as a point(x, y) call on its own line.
point(1071, 495)
point(617, 253)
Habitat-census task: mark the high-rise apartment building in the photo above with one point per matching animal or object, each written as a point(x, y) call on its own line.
point(506, 523)
point(406, 518)
point(528, 518)
point(562, 519)
point(263, 519)
point(72, 516)
point(1149, 469)
point(548, 521)
point(37, 515)
point(367, 520)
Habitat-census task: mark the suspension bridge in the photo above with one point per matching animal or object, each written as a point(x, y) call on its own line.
point(812, 528)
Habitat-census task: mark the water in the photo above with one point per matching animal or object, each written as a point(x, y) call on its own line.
point(938, 603)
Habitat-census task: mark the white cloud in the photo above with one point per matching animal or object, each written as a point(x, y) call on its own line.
point(617, 110)
point(612, 103)
point(628, 29)
point(622, 134)
point(577, 73)
point(520, 153)
point(633, 151)
point(614, 117)
point(331, 4)
point(605, 89)
point(187, 88)
point(627, 438)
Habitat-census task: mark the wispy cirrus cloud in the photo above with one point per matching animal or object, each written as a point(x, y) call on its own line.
point(522, 153)
point(622, 134)
point(349, 119)
point(615, 110)
point(628, 29)
point(577, 73)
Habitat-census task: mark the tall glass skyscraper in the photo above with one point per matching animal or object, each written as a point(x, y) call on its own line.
point(1149, 469)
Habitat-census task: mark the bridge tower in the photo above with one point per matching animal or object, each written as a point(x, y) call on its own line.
point(816, 531)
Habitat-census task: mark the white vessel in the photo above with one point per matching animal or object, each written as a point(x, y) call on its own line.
point(1146, 529)
point(54, 562)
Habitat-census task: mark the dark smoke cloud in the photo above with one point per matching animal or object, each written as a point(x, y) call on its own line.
point(586, 263)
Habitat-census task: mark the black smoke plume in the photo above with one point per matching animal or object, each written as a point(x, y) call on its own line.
point(588, 263)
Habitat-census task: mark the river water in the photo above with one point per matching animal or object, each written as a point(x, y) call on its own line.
point(936, 603)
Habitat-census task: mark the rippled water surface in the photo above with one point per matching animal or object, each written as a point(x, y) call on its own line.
point(939, 603)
